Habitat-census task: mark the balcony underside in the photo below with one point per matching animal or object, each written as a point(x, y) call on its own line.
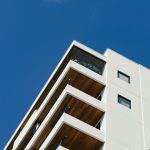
point(79, 110)
point(74, 140)
point(70, 131)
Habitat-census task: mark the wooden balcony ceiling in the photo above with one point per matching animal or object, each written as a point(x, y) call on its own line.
point(74, 140)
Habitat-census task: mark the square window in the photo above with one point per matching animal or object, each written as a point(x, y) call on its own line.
point(123, 77)
point(124, 101)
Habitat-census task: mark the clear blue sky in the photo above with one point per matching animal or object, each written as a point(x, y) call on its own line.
point(34, 34)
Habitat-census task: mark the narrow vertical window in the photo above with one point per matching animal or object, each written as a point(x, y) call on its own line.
point(124, 101)
point(123, 77)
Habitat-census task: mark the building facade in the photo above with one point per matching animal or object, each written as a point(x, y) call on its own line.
point(91, 101)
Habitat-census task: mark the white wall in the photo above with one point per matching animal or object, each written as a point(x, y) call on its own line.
point(145, 95)
point(123, 125)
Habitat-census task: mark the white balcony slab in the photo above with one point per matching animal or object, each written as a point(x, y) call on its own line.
point(74, 123)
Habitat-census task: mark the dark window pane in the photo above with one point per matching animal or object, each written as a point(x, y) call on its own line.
point(123, 77)
point(124, 101)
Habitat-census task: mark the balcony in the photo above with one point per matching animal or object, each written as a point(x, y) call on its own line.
point(73, 134)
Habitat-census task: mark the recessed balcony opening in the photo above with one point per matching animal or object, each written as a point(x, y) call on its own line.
point(75, 108)
point(74, 139)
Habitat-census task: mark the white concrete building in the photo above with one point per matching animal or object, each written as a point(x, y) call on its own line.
point(91, 101)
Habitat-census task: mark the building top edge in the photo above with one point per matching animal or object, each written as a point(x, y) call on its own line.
point(136, 63)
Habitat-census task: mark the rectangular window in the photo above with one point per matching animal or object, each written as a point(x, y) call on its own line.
point(124, 77)
point(124, 101)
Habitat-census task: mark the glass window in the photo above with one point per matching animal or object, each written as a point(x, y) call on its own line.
point(123, 76)
point(87, 60)
point(124, 101)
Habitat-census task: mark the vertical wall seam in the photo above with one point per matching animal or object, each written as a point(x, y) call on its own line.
point(141, 101)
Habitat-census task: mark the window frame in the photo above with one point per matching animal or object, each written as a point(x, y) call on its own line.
point(125, 100)
point(125, 75)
